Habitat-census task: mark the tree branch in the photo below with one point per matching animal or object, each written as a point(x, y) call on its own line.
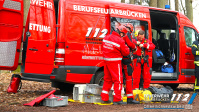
point(184, 10)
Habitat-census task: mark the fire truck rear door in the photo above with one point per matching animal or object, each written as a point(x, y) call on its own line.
point(11, 28)
point(41, 42)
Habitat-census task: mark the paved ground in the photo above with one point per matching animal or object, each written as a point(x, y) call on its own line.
point(30, 90)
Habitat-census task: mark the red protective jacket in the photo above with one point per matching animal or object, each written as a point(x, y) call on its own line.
point(138, 66)
point(114, 47)
point(129, 43)
point(146, 44)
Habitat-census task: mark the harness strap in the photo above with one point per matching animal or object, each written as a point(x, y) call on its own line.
point(139, 58)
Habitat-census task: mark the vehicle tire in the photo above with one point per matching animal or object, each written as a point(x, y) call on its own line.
point(65, 87)
point(99, 79)
point(173, 86)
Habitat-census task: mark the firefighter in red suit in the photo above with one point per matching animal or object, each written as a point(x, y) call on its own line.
point(114, 49)
point(127, 63)
point(141, 63)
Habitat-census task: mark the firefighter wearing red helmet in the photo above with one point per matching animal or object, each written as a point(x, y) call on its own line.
point(127, 65)
point(130, 30)
point(141, 63)
point(114, 48)
point(129, 27)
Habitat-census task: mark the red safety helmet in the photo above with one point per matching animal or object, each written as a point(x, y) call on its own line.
point(122, 29)
point(129, 25)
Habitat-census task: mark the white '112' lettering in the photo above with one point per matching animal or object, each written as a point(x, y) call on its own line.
point(97, 30)
point(179, 96)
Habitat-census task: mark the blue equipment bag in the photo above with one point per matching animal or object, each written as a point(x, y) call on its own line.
point(167, 68)
point(159, 54)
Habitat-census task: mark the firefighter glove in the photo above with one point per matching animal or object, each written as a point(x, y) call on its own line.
point(141, 45)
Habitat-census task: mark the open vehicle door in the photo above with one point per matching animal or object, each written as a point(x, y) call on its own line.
point(41, 42)
point(11, 28)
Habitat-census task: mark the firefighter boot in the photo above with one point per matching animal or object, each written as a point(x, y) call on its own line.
point(119, 103)
point(196, 87)
point(131, 101)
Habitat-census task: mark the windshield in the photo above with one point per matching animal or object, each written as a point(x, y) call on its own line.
point(137, 25)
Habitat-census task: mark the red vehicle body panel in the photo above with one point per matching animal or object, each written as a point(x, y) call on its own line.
point(79, 78)
point(41, 44)
point(76, 30)
point(11, 28)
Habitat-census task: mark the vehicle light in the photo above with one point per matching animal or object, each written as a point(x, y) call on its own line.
point(52, 77)
point(60, 54)
point(167, 6)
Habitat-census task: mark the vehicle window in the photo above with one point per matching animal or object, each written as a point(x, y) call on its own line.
point(154, 34)
point(137, 25)
point(168, 32)
point(190, 36)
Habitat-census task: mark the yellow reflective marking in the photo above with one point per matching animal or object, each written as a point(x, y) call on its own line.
point(197, 53)
point(196, 87)
point(194, 46)
point(196, 62)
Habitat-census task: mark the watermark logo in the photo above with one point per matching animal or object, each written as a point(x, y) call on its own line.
point(175, 100)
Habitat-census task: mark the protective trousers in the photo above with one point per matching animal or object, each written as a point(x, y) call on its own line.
point(112, 75)
point(128, 81)
point(196, 87)
point(137, 73)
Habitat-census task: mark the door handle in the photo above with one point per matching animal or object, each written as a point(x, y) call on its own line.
point(187, 53)
point(33, 49)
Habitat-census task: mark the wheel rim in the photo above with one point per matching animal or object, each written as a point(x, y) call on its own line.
point(101, 81)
